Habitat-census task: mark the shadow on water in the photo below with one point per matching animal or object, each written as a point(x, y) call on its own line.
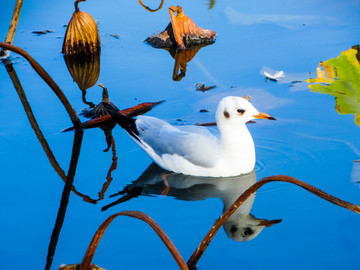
point(238, 223)
point(182, 58)
point(241, 226)
point(85, 71)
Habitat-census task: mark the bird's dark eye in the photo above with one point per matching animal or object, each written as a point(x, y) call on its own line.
point(241, 111)
point(248, 231)
point(233, 229)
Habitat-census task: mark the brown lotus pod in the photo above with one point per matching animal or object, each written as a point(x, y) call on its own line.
point(81, 34)
point(84, 68)
point(181, 32)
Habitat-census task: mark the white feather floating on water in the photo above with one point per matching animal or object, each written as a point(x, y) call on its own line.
point(275, 76)
point(272, 74)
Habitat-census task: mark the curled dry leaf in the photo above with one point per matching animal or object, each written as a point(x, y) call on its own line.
point(201, 87)
point(181, 32)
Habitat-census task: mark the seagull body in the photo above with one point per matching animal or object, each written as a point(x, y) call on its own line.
point(194, 150)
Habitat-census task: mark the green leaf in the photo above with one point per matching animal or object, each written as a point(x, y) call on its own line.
point(340, 77)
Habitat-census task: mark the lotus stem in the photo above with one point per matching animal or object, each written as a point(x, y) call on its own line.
point(135, 214)
point(46, 77)
point(13, 25)
point(243, 197)
point(35, 126)
point(149, 9)
point(76, 4)
point(78, 136)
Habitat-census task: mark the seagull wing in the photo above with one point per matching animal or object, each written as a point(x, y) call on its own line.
point(195, 144)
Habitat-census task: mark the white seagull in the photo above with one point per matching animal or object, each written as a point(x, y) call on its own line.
point(194, 150)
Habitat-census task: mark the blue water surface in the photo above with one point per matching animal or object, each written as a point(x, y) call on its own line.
point(310, 140)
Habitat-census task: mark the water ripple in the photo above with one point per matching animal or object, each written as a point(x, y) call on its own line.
point(289, 155)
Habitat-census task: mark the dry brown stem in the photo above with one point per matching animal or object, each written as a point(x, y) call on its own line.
point(35, 126)
point(191, 264)
point(152, 10)
point(46, 77)
point(13, 24)
point(135, 214)
point(276, 178)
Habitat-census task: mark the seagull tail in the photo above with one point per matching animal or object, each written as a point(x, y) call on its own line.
point(124, 121)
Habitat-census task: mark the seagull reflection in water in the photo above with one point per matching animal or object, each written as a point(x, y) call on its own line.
point(241, 226)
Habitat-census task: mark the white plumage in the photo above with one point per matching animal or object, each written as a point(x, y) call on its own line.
point(194, 150)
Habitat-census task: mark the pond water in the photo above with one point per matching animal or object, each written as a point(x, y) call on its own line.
point(314, 139)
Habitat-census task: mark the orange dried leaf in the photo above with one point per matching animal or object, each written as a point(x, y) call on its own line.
point(181, 32)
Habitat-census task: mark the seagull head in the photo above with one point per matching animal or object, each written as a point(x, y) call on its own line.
point(238, 110)
point(246, 228)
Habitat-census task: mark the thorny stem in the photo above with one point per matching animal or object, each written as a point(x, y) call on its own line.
point(46, 77)
point(281, 178)
point(13, 24)
point(135, 214)
point(149, 9)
